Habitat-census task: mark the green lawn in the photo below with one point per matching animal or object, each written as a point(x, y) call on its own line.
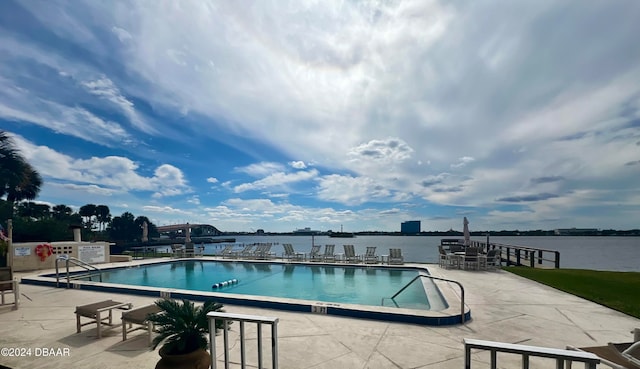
point(617, 290)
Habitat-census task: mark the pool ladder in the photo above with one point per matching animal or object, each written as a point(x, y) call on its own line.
point(430, 277)
point(91, 270)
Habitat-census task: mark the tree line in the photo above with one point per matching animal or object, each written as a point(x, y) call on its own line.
point(20, 183)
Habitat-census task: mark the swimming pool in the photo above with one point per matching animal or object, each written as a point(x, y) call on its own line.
point(352, 291)
point(327, 283)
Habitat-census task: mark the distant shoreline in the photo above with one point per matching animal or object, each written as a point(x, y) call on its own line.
point(602, 233)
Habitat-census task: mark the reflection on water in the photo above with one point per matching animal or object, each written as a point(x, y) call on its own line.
point(263, 267)
point(288, 270)
point(357, 285)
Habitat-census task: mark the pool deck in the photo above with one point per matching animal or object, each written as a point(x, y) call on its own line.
point(504, 307)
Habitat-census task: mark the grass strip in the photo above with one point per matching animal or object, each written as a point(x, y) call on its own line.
point(616, 290)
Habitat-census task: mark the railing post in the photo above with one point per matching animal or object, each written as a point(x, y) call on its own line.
point(539, 256)
point(242, 319)
point(557, 259)
point(517, 257)
point(532, 261)
point(274, 345)
point(508, 256)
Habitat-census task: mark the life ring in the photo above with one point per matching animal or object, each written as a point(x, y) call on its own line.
point(44, 250)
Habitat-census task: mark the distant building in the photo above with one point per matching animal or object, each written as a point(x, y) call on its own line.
point(410, 227)
point(260, 231)
point(305, 231)
point(576, 231)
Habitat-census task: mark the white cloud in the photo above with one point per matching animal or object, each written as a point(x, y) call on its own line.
point(277, 179)
point(463, 161)
point(350, 190)
point(112, 172)
point(106, 89)
point(212, 180)
point(91, 189)
point(165, 210)
point(391, 149)
point(123, 35)
point(298, 164)
point(261, 169)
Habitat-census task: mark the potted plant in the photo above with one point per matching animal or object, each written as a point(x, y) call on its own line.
point(184, 329)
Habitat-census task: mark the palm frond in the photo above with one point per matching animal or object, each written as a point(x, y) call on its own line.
point(182, 326)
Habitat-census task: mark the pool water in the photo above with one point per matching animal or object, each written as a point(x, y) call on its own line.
point(333, 284)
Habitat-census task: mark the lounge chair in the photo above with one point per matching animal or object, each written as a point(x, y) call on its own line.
point(246, 252)
point(370, 256)
point(140, 317)
point(94, 312)
point(9, 284)
point(616, 355)
point(329, 253)
point(290, 254)
point(395, 256)
point(314, 254)
point(227, 252)
point(263, 251)
point(350, 255)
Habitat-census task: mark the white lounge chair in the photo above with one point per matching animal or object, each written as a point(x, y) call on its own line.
point(395, 256)
point(290, 254)
point(314, 254)
point(246, 252)
point(370, 256)
point(227, 252)
point(263, 252)
point(350, 255)
point(329, 253)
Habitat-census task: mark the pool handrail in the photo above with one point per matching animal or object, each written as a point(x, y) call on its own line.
point(86, 266)
point(432, 277)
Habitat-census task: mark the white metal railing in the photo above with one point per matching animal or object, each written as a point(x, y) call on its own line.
point(242, 319)
point(92, 270)
point(590, 360)
point(436, 278)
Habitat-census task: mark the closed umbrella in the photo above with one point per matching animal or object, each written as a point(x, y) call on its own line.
point(467, 235)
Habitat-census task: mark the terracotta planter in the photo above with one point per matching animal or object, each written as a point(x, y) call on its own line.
point(199, 359)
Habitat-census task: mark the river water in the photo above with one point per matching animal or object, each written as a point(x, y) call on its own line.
point(597, 253)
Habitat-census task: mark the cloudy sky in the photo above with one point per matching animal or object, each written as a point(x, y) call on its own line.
point(288, 114)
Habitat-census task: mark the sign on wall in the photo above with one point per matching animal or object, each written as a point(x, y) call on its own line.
point(22, 251)
point(92, 254)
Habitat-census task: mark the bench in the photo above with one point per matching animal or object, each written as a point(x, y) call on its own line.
point(94, 312)
point(140, 317)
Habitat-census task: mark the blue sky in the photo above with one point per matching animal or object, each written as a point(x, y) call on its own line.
point(291, 114)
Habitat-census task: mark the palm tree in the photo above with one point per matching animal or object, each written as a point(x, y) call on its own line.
point(18, 179)
point(183, 326)
point(61, 212)
point(87, 212)
point(103, 215)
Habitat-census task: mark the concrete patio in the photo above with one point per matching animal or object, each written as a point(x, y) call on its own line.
point(504, 307)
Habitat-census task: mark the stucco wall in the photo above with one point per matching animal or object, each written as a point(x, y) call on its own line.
point(24, 255)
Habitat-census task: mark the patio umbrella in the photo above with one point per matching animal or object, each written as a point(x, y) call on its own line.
point(467, 235)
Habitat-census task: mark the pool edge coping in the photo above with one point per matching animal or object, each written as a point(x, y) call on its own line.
point(449, 316)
